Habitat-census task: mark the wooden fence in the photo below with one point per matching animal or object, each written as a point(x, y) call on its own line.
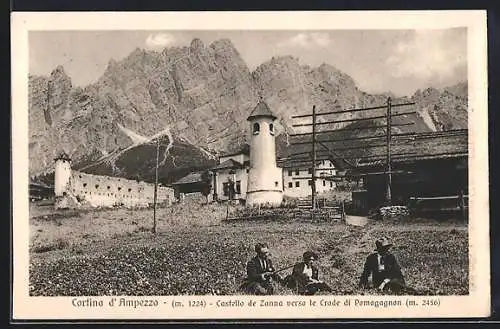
point(301, 209)
point(324, 210)
point(453, 203)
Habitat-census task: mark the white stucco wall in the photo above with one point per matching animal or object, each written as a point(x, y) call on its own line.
point(105, 191)
point(240, 175)
point(265, 180)
point(241, 158)
point(303, 189)
point(62, 176)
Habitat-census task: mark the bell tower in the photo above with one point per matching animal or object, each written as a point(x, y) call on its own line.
point(264, 177)
point(62, 174)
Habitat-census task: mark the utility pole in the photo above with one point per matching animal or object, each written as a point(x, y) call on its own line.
point(156, 185)
point(370, 140)
point(389, 169)
point(313, 171)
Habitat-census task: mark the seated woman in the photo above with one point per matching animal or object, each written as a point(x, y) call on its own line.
point(305, 276)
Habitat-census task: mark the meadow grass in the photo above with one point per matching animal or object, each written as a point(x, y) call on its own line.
point(195, 251)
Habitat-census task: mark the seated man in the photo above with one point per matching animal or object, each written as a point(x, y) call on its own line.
point(260, 273)
point(305, 276)
point(384, 269)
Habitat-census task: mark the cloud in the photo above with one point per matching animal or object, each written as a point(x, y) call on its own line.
point(429, 54)
point(307, 40)
point(159, 40)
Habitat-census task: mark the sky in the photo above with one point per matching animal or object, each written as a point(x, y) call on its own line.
point(397, 61)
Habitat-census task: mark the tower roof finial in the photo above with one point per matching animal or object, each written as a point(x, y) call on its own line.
point(261, 110)
point(62, 156)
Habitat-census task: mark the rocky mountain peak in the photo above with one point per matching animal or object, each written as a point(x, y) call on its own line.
point(112, 63)
point(58, 71)
point(59, 76)
point(200, 95)
point(196, 45)
point(222, 44)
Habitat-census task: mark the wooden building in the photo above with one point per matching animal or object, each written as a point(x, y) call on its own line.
point(430, 165)
point(191, 183)
point(427, 165)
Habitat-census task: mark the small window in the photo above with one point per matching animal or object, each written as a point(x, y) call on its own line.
point(331, 184)
point(248, 170)
point(238, 187)
point(309, 182)
point(276, 184)
point(297, 173)
point(79, 176)
point(130, 190)
point(290, 185)
point(119, 188)
point(290, 173)
point(256, 128)
point(271, 129)
point(297, 184)
point(324, 183)
point(84, 184)
point(310, 171)
point(109, 187)
point(96, 185)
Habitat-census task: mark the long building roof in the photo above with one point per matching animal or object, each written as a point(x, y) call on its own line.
point(351, 153)
point(194, 177)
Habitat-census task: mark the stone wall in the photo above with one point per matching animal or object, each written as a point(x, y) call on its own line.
point(104, 191)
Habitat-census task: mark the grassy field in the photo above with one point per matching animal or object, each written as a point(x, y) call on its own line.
point(114, 252)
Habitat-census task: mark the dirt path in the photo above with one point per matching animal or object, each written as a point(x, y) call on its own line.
point(356, 220)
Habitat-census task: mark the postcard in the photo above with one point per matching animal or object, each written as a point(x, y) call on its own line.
point(250, 165)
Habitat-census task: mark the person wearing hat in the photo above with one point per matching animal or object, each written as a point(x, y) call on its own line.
point(260, 273)
point(305, 276)
point(384, 268)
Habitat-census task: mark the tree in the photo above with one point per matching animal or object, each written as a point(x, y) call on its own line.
point(206, 181)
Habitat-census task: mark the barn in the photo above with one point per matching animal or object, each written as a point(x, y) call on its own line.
point(191, 183)
point(427, 169)
point(431, 167)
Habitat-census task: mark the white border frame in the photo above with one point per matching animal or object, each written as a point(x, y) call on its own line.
point(476, 304)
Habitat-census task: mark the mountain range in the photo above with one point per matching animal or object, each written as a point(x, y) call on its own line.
point(194, 101)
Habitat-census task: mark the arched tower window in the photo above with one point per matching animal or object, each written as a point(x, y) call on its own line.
point(271, 129)
point(256, 128)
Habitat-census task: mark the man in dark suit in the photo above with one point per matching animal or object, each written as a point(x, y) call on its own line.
point(260, 273)
point(305, 276)
point(383, 266)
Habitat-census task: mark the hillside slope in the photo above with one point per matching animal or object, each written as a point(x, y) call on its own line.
point(202, 96)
